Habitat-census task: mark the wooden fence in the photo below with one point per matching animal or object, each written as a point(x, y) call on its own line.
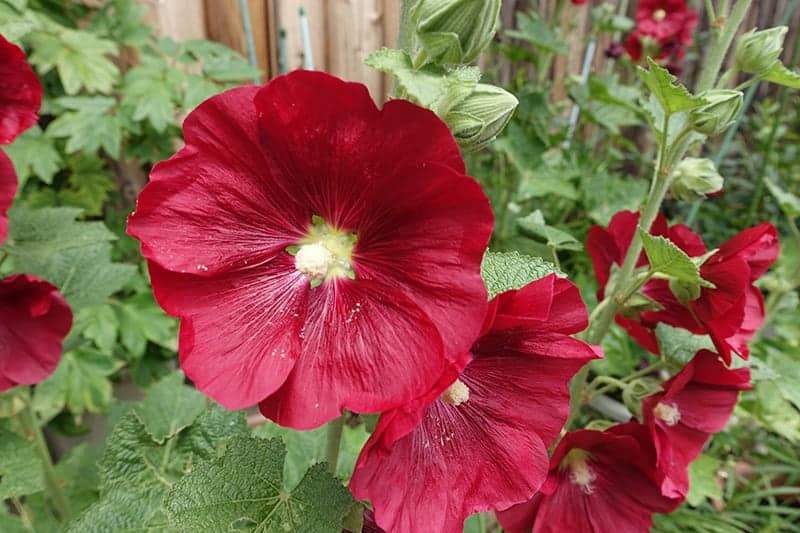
point(342, 32)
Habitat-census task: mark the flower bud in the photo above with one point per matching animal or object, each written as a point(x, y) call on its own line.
point(720, 112)
point(477, 120)
point(694, 178)
point(453, 31)
point(757, 51)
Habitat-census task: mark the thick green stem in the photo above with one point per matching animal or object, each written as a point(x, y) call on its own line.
point(334, 441)
point(712, 66)
point(52, 485)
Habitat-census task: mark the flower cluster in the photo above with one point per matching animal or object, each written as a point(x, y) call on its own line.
point(323, 254)
point(34, 317)
point(729, 312)
point(664, 29)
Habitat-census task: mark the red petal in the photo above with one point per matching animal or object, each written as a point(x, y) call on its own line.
point(758, 246)
point(687, 240)
point(8, 188)
point(34, 319)
point(20, 92)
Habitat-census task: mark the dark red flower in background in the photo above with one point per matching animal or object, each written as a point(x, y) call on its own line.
point(20, 92)
point(694, 404)
point(483, 444)
point(8, 188)
point(664, 29)
point(730, 313)
point(599, 481)
point(34, 319)
point(321, 253)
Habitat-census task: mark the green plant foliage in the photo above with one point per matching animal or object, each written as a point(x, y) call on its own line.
point(245, 488)
point(20, 467)
point(678, 345)
point(34, 154)
point(671, 95)
point(504, 271)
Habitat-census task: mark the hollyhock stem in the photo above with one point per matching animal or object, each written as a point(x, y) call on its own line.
point(333, 442)
point(712, 66)
point(32, 428)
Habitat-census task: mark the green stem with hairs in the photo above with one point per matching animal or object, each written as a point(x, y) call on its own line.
point(712, 66)
point(55, 493)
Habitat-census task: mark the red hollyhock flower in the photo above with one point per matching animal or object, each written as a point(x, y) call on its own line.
point(598, 481)
point(694, 404)
point(665, 20)
point(322, 254)
point(34, 319)
point(483, 443)
point(20, 92)
point(730, 313)
point(8, 188)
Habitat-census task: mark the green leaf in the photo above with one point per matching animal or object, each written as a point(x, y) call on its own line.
point(554, 237)
point(20, 467)
point(78, 56)
point(89, 185)
point(787, 369)
point(703, 483)
point(678, 345)
point(245, 487)
point(781, 75)
point(141, 320)
point(788, 202)
point(605, 194)
point(74, 256)
point(430, 86)
point(533, 29)
point(672, 96)
point(99, 324)
point(306, 448)
point(90, 123)
point(149, 90)
point(34, 154)
point(80, 383)
point(505, 271)
point(667, 259)
point(185, 405)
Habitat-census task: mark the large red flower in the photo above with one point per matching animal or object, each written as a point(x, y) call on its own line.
point(321, 253)
point(34, 319)
point(666, 20)
point(20, 92)
point(729, 313)
point(483, 443)
point(598, 482)
point(8, 188)
point(694, 404)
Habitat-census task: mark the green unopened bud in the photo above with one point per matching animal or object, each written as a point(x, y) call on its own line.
point(721, 111)
point(694, 178)
point(757, 51)
point(478, 119)
point(453, 31)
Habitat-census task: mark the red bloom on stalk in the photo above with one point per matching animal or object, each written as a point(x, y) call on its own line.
point(322, 254)
point(666, 20)
point(482, 444)
point(694, 404)
point(598, 481)
point(34, 319)
point(730, 313)
point(20, 92)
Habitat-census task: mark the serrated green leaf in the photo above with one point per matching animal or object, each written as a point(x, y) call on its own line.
point(141, 320)
point(80, 383)
point(79, 57)
point(605, 194)
point(74, 256)
point(671, 95)
point(245, 487)
point(703, 483)
point(99, 324)
point(555, 238)
point(89, 125)
point(788, 202)
point(533, 29)
point(20, 467)
point(185, 405)
point(781, 75)
point(149, 90)
point(89, 185)
point(306, 448)
point(431, 87)
point(34, 154)
point(667, 259)
point(504, 271)
point(678, 345)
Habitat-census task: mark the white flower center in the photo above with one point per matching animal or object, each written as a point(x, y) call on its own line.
point(314, 260)
point(668, 413)
point(659, 15)
point(456, 394)
point(580, 473)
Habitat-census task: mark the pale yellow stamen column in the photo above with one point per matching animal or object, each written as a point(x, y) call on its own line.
point(456, 394)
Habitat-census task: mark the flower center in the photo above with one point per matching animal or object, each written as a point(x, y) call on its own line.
point(580, 473)
point(659, 15)
point(324, 253)
point(456, 394)
point(668, 413)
